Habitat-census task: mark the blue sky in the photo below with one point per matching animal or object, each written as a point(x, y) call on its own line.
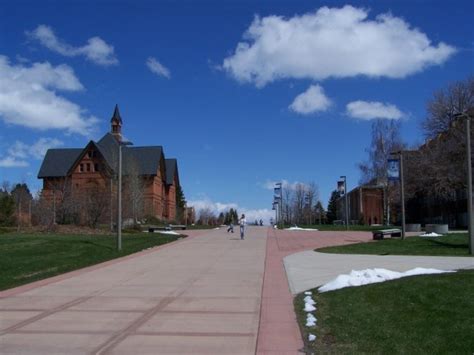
point(231, 117)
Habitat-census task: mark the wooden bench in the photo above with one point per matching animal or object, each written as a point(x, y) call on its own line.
point(380, 234)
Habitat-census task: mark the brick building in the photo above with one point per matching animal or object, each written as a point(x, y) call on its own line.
point(89, 173)
point(365, 205)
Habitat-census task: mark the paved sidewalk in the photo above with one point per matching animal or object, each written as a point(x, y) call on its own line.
point(279, 331)
point(310, 269)
point(200, 296)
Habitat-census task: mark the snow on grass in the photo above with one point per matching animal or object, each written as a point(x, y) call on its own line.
point(300, 229)
point(310, 320)
point(311, 337)
point(308, 293)
point(169, 232)
point(369, 276)
point(430, 235)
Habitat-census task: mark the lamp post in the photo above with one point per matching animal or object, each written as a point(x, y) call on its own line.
point(470, 222)
point(402, 189)
point(279, 200)
point(346, 207)
point(119, 195)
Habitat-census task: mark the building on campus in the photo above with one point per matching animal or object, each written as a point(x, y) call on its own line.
point(365, 205)
point(89, 174)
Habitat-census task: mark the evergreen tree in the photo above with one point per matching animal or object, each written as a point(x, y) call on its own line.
point(332, 206)
point(180, 203)
point(7, 209)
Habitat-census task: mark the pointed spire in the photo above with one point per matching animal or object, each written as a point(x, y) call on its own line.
point(116, 115)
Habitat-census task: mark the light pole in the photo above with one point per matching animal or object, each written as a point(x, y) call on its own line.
point(279, 187)
point(119, 196)
point(402, 189)
point(345, 201)
point(469, 180)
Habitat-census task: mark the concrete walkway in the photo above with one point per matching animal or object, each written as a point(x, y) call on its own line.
point(199, 296)
point(310, 269)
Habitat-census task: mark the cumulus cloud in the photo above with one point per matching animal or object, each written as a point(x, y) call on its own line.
point(218, 207)
point(369, 110)
point(28, 97)
point(157, 68)
point(332, 42)
point(96, 50)
point(19, 153)
point(311, 101)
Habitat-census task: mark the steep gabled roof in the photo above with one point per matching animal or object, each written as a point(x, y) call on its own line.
point(144, 160)
point(139, 160)
point(171, 171)
point(57, 162)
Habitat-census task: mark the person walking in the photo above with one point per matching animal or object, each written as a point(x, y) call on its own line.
point(242, 222)
point(231, 228)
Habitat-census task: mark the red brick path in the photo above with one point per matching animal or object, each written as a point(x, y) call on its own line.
point(278, 331)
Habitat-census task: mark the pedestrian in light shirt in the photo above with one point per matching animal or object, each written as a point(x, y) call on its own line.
point(242, 226)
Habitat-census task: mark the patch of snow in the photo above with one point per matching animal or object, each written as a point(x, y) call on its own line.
point(310, 320)
point(216, 228)
point(369, 276)
point(309, 300)
point(169, 232)
point(308, 307)
point(430, 235)
point(311, 337)
point(308, 293)
point(300, 229)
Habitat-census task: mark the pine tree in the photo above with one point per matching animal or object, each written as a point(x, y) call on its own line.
point(332, 206)
point(180, 203)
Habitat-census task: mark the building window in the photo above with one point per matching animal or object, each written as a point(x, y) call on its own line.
point(96, 167)
point(81, 168)
point(88, 166)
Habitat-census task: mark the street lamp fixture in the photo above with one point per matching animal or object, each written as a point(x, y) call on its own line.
point(346, 206)
point(402, 189)
point(119, 195)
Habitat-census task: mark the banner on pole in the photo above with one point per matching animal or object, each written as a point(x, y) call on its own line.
point(393, 169)
point(340, 187)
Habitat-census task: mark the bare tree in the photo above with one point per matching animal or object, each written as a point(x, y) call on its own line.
point(385, 139)
point(445, 104)
point(133, 191)
point(206, 216)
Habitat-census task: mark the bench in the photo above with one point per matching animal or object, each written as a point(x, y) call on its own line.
point(152, 229)
point(380, 234)
point(178, 226)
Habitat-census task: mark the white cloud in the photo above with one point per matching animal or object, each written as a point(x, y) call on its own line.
point(18, 154)
point(96, 50)
point(217, 207)
point(156, 67)
point(311, 101)
point(369, 110)
point(28, 97)
point(332, 42)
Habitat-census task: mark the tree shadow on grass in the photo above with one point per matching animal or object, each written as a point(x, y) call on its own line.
point(444, 244)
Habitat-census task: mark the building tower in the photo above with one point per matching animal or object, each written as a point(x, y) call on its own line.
point(116, 124)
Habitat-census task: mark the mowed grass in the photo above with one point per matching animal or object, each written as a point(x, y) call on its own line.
point(26, 258)
point(448, 245)
point(430, 314)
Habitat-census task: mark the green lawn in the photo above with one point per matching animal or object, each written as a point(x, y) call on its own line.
point(430, 314)
point(448, 245)
point(26, 258)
